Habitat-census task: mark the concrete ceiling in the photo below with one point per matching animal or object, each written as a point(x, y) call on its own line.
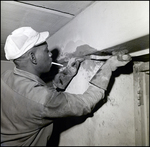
point(40, 15)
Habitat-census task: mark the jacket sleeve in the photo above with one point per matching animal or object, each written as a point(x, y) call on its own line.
point(102, 77)
point(63, 104)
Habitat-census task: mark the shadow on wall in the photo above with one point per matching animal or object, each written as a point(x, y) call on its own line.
point(62, 124)
point(48, 77)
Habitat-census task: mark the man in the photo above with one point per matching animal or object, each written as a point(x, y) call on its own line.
point(28, 105)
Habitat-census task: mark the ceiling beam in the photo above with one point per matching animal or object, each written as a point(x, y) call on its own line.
point(41, 8)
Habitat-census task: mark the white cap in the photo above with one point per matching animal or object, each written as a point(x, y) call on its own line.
point(21, 40)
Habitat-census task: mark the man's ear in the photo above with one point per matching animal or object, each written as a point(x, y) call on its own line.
point(33, 58)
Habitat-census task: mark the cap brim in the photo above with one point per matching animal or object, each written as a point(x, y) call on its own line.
point(43, 36)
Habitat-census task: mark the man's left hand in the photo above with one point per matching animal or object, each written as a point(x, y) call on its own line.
point(73, 65)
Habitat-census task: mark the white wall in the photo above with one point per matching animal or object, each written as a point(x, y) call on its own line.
point(104, 24)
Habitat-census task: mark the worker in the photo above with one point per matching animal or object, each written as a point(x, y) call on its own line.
point(28, 105)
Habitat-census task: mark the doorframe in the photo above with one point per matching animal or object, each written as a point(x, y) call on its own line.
point(141, 102)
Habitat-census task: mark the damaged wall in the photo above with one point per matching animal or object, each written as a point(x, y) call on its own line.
point(104, 24)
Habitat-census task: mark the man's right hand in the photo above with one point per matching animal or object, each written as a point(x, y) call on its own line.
point(118, 60)
point(102, 77)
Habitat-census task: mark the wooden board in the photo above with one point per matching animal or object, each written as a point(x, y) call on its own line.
point(134, 45)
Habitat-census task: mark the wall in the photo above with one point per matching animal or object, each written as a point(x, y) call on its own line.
point(104, 24)
point(6, 65)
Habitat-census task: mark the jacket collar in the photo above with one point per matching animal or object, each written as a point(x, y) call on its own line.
point(28, 75)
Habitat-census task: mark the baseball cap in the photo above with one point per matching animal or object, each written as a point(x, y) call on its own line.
point(21, 40)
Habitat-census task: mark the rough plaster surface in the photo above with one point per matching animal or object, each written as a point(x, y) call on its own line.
point(102, 25)
point(113, 123)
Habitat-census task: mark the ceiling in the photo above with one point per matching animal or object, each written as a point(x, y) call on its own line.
point(40, 15)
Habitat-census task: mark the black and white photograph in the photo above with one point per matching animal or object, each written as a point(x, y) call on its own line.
point(74, 73)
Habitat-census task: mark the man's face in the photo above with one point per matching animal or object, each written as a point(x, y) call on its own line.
point(43, 57)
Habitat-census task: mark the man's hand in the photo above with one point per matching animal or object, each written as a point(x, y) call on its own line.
point(103, 75)
point(118, 60)
point(63, 78)
point(73, 65)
